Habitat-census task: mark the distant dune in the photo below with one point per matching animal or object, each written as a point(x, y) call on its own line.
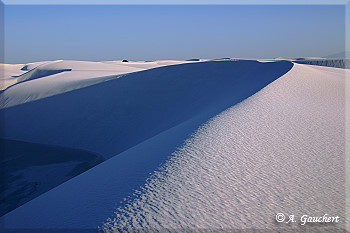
point(338, 63)
point(319, 61)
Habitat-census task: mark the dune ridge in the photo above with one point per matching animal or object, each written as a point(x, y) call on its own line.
point(127, 110)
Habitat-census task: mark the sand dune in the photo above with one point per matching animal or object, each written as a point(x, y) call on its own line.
point(197, 146)
point(281, 150)
point(82, 74)
point(338, 63)
point(112, 116)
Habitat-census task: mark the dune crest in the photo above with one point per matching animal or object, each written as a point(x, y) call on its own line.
point(111, 116)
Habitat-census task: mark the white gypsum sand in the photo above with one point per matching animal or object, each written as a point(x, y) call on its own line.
point(57, 77)
point(108, 117)
point(281, 150)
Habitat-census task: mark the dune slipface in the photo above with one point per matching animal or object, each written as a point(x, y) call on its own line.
point(110, 117)
point(30, 169)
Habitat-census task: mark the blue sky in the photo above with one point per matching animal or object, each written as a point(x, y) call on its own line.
point(188, 2)
point(149, 32)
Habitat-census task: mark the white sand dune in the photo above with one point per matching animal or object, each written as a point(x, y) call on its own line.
point(35, 81)
point(55, 79)
point(118, 112)
point(6, 73)
point(280, 150)
point(338, 63)
point(319, 61)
